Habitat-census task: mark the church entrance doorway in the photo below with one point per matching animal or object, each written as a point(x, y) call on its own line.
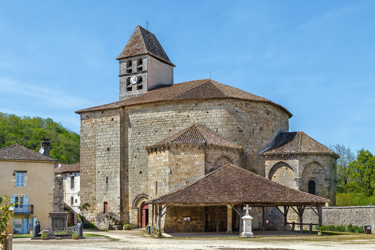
point(144, 215)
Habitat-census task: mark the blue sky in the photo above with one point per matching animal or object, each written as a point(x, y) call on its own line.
point(316, 58)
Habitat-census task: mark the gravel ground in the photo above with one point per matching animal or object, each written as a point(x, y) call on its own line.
point(136, 239)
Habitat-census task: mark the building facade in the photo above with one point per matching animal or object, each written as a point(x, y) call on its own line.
point(27, 177)
point(71, 183)
point(162, 135)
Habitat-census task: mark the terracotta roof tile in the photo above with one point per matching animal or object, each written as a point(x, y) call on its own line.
point(296, 143)
point(198, 89)
point(196, 135)
point(234, 185)
point(67, 168)
point(144, 42)
point(18, 152)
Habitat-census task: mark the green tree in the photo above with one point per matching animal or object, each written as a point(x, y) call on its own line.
point(362, 174)
point(5, 215)
point(343, 170)
point(28, 132)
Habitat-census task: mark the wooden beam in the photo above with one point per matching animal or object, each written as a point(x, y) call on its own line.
point(169, 208)
point(209, 209)
point(316, 212)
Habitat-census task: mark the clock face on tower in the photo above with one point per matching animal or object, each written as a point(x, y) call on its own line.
point(133, 80)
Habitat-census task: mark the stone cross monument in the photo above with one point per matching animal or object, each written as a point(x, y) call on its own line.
point(58, 218)
point(247, 230)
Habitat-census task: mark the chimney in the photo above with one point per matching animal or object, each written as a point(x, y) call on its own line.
point(46, 146)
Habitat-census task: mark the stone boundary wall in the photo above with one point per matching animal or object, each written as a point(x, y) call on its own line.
point(358, 216)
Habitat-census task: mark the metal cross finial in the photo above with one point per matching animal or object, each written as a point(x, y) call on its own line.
point(147, 23)
point(247, 208)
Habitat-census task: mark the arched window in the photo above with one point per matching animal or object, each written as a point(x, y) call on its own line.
point(129, 86)
point(129, 66)
point(139, 65)
point(140, 83)
point(312, 187)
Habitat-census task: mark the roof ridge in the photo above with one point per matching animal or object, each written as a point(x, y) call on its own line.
point(213, 83)
point(192, 183)
point(303, 133)
point(190, 89)
point(186, 187)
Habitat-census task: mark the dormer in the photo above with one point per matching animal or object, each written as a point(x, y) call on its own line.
point(143, 65)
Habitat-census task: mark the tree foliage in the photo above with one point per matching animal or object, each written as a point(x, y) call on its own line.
point(343, 171)
point(355, 177)
point(28, 132)
point(362, 174)
point(5, 215)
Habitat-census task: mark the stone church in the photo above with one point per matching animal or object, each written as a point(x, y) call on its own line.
point(162, 135)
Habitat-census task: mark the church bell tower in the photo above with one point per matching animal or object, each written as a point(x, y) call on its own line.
point(144, 65)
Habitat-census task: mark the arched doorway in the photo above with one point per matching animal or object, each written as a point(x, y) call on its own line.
point(312, 187)
point(144, 215)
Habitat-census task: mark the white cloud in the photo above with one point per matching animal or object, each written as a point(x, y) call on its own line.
point(46, 95)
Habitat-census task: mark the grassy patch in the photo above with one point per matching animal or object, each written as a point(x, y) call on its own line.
point(99, 235)
point(92, 235)
point(22, 235)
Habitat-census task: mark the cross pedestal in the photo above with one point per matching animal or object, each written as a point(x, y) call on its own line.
point(247, 229)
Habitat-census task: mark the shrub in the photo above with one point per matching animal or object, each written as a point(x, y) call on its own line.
point(89, 225)
point(126, 226)
point(349, 228)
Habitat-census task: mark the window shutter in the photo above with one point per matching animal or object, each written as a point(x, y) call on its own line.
point(17, 179)
point(12, 199)
point(22, 179)
point(26, 204)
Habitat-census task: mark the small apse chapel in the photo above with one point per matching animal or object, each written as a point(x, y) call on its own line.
point(161, 137)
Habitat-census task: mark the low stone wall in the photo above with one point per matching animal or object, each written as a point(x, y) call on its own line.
point(337, 216)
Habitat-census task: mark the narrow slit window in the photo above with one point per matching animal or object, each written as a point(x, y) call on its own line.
point(105, 207)
point(129, 66)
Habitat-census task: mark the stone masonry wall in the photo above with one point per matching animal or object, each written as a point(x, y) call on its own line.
point(158, 164)
point(100, 164)
point(251, 125)
point(343, 216)
point(185, 164)
point(174, 221)
point(215, 157)
point(320, 168)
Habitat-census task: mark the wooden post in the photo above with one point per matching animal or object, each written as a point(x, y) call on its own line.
point(286, 208)
point(229, 219)
point(320, 212)
point(241, 221)
point(159, 223)
point(152, 216)
point(264, 218)
point(217, 219)
point(300, 214)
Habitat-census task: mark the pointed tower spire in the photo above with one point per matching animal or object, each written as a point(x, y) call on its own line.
point(144, 42)
point(143, 65)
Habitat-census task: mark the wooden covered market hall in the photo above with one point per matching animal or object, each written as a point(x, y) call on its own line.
point(215, 202)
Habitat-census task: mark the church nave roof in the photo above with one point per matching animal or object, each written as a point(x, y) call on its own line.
point(192, 90)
